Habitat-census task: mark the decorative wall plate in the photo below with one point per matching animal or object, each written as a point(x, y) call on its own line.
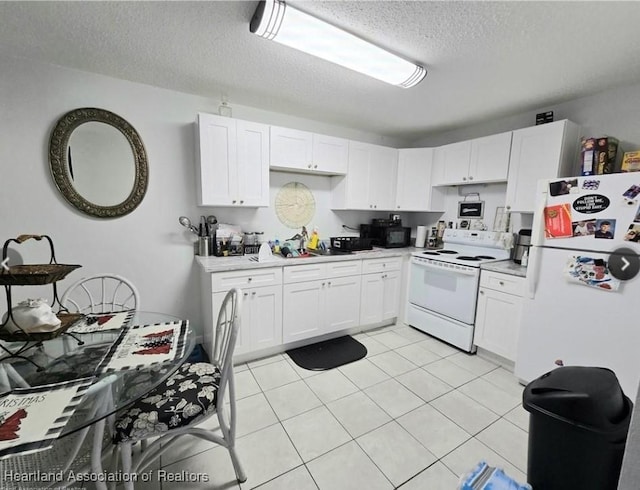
point(295, 205)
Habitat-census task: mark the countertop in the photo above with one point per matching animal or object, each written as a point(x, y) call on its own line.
point(505, 267)
point(245, 262)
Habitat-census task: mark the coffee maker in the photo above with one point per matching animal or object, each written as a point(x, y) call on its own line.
point(523, 242)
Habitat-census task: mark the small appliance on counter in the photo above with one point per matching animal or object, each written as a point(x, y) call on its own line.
point(387, 233)
point(521, 249)
point(348, 244)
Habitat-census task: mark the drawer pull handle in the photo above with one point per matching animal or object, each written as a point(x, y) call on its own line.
point(501, 283)
point(253, 293)
point(481, 291)
point(246, 294)
point(249, 279)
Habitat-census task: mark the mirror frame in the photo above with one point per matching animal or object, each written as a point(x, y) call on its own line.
point(60, 169)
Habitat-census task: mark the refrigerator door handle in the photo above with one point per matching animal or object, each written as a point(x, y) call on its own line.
point(538, 226)
point(537, 238)
point(533, 270)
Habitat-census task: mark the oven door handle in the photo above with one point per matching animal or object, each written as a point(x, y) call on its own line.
point(455, 270)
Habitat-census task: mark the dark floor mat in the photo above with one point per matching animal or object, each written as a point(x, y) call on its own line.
point(328, 354)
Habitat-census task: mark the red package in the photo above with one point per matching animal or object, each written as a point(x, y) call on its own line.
point(557, 221)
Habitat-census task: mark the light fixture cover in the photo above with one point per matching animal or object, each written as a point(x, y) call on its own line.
point(276, 21)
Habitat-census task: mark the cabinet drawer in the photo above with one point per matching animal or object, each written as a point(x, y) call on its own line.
point(300, 273)
point(343, 269)
point(381, 265)
point(502, 282)
point(223, 281)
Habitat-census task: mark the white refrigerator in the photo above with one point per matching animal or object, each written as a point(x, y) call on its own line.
point(576, 311)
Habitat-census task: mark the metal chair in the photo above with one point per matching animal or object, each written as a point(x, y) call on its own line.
point(101, 293)
point(203, 387)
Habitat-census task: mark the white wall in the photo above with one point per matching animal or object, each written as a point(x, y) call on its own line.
point(613, 112)
point(148, 246)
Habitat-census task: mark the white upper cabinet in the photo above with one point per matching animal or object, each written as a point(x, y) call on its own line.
point(490, 158)
point(452, 163)
point(370, 182)
point(233, 162)
point(414, 190)
point(290, 148)
point(545, 151)
point(477, 161)
point(330, 154)
point(301, 151)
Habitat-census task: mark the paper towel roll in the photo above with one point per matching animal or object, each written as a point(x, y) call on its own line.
point(421, 236)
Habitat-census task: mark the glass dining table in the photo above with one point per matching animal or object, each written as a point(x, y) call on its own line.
point(67, 358)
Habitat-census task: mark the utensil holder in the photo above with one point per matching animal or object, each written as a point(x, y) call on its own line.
point(203, 246)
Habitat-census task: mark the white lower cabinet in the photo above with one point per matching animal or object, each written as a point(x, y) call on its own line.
point(342, 303)
point(261, 318)
point(380, 296)
point(302, 317)
point(498, 313)
point(323, 305)
point(283, 305)
point(261, 315)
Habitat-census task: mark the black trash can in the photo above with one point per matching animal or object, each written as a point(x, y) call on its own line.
point(577, 429)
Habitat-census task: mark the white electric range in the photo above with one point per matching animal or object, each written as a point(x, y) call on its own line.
point(443, 284)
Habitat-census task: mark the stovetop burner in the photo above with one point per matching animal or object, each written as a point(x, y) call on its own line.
point(469, 258)
point(485, 257)
point(447, 252)
point(430, 253)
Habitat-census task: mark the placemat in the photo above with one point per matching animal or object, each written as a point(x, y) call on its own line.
point(32, 418)
point(143, 345)
point(103, 321)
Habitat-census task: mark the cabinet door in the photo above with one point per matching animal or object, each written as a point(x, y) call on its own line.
point(357, 191)
point(371, 299)
point(490, 158)
point(252, 176)
point(383, 172)
point(330, 155)
point(243, 341)
point(535, 155)
point(217, 160)
point(455, 160)
point(391, 294)
point(302, 312)
point(342, 303)
point(290, 148)
point(413, 192)
point(497, 322)
point(265, 317)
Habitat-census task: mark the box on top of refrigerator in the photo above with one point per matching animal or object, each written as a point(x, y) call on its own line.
point(631, 162)
point(598, 155)
point(606, 152)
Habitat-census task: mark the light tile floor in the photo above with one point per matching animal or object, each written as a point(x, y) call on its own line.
point(414, 414)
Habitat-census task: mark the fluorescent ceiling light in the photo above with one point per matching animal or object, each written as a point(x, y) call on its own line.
point(279, 22)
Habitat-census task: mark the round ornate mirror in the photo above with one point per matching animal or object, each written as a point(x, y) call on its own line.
point(98, 162)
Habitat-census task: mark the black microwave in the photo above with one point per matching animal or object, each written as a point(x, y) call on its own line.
point(387, 236)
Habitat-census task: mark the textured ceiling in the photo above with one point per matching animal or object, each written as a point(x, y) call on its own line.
point(484, 59)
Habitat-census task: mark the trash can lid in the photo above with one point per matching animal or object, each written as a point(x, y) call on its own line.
point(589, 396)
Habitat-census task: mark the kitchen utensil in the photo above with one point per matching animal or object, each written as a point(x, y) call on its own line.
point(186, 222)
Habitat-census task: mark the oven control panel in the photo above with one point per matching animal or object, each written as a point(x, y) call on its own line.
point(438, 264)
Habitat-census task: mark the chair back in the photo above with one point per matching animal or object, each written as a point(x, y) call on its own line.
point(101, 293)
point(226, 333)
